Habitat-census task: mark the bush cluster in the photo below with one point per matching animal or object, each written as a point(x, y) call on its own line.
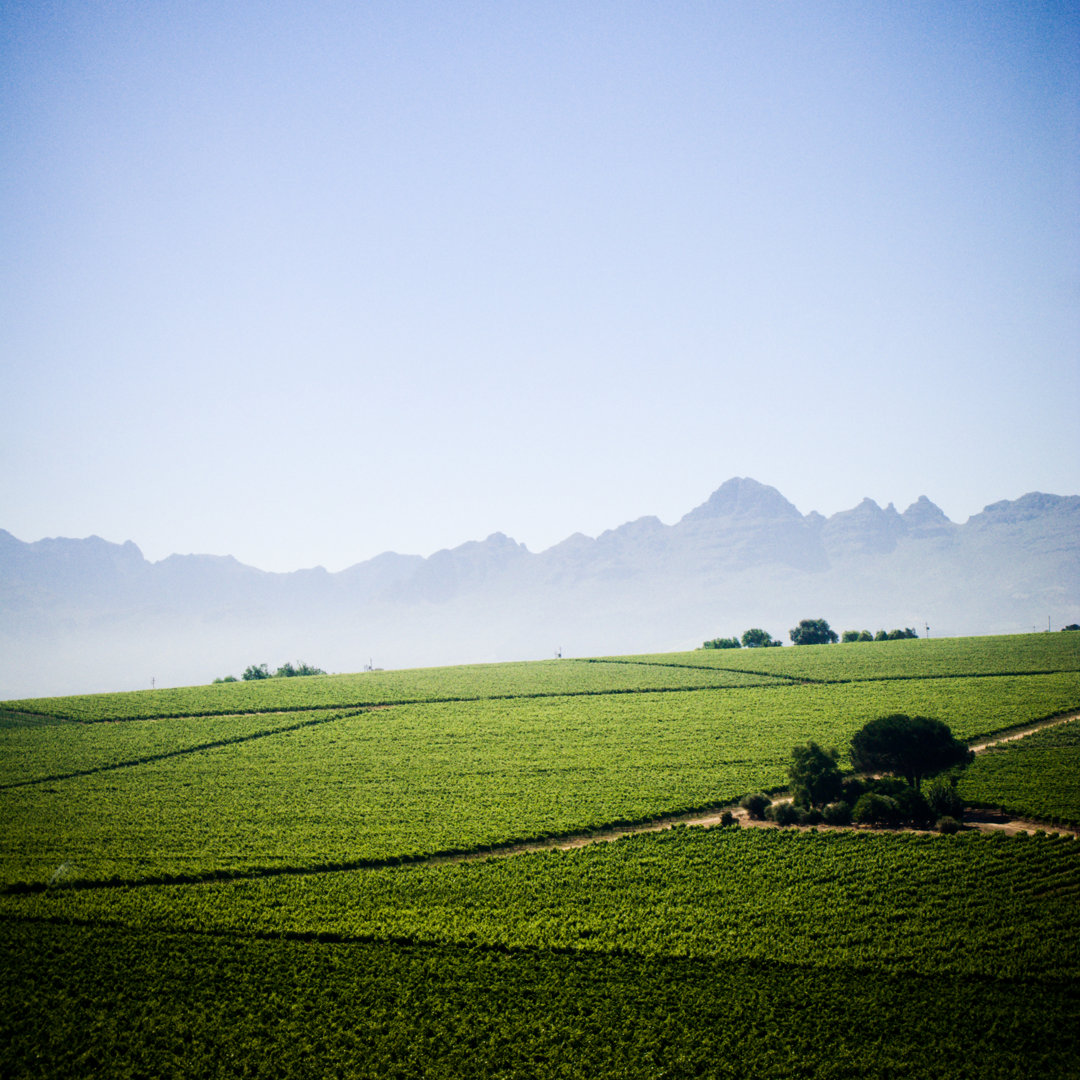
point(754, 638)
point(881, 635)
point(891, 802)
point(287, 670)
point(884, 802)
point(722, 643)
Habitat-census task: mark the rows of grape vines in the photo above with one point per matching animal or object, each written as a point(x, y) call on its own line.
point(341, 789)
point(1037, 776)
point(232, 880)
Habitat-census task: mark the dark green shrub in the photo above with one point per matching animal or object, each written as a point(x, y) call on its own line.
point(874, 809)
point(727, 818)
point(837, 813)
point(722, 643)
point(812, 816)
point(948, 825)
point(852, 788)
point(755, 805)
point(943, 797)
point(783, 813)
point(815, 775)
point(913, 806)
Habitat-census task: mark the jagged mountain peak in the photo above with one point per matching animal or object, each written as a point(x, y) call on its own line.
point(867, 510)
point(743, 497)
point(87, 614)
point(923, 515)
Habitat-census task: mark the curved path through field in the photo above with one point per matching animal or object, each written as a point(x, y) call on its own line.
point(983, 820)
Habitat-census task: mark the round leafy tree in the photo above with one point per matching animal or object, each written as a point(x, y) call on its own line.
point(815, 775)
point(813, 632)
point(909, 746)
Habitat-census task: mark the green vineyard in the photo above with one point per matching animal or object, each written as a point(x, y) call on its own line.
point(294, 877)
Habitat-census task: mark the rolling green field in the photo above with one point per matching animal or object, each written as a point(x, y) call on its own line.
point(1037, 777)
point(230, 880)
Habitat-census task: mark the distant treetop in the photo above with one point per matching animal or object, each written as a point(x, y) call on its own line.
point(813, 632)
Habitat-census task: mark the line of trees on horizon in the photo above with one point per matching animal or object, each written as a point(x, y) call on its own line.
point(808, 632)
point(288, 670)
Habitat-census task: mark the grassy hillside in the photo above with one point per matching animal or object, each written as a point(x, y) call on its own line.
point(246, 903)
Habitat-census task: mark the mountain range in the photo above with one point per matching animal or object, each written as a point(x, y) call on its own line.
point(85, 615)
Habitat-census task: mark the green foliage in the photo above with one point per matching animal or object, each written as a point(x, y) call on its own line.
point(256, 671)
point(948, 825)
point(227, 678)
point(909, 746)
point(429, 777)
point(720, 953)
point(815, 775)
point(288, 670)
point(874, 809)
point(722, 643)
point(943, 798)
point(727, 818)
point(756, 804)
point(837, 813)
point(95, 1002)
point(813, 632)
point(914, 809)
point(756, 638)
point(991, 906)
point(783, 813)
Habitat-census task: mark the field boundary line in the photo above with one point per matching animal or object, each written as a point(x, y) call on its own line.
point(776, 680)
point(165, 755)
point(1022, 731)
point(709, 667)
point(808, 680)
point(453, 699)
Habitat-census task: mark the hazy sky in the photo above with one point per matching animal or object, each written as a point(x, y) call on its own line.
point(303, 282)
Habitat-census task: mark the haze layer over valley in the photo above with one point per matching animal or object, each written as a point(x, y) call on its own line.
point(88, 615)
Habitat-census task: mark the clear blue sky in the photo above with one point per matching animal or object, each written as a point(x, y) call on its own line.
point(303, 282)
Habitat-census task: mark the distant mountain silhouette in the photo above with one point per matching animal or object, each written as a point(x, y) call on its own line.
point(82, 615)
